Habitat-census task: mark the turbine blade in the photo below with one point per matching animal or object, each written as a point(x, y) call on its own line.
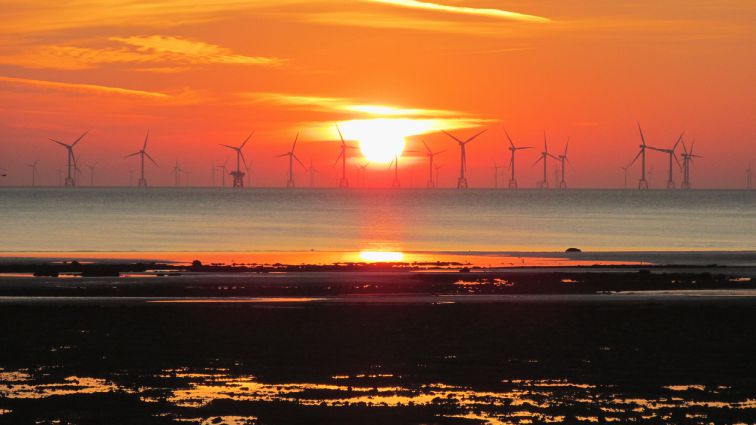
point(299, 161)
point(540, 158)
point(244, 161)
point(678, 141)
point(338, 158)
point(294, 146)
point(79, 139)
point(132, 154)
point(511, 143)
point(230, 147)
point(643, 139)
point(427, 148)
point(450, 135)
point(635, 159)
point(150, 158)
point(473, 138)
point(340, 135)
point(282, 155)
point(60, 143)
point(146, 137)
point(247, 139)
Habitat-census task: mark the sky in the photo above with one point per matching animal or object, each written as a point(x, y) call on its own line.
point(200, 74)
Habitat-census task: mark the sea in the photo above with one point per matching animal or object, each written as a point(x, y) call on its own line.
point(309, 220)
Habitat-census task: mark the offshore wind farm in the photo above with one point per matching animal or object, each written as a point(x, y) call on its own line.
point(381, 212)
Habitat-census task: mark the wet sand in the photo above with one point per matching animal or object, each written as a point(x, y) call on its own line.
point(527, 345)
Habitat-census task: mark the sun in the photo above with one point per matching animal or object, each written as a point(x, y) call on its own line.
point(380, 140)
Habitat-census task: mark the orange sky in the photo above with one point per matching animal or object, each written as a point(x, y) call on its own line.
point(197, 75)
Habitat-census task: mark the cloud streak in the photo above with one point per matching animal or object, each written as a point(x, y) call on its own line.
point(80, 88)
point(152, 49)
point(463, 10)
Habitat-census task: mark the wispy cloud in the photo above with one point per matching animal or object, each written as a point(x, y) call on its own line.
point(80, 88)
point(464, 10)
point(140, 50)
point(344, 105)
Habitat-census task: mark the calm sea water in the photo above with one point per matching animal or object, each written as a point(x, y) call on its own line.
point(203, 220)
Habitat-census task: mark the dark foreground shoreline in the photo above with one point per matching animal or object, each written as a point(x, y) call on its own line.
point(344, 363)
point(546, 345)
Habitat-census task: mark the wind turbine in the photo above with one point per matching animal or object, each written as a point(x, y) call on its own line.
point(311, 171)
point(35, 173)
point(497, 170)
point(177, 170)
point(672, 155)
point(513, 149)
point(687, 158)
point(238, 174)
point(462, 181)
point(642, 183)
point(562, 159)
point(362, 169)
point(92, 173)
point(395, 184)
point(77, 170)
point(438, 172)
point(224, 171)
point(431, 156)
point(624, 169)
point(292, 156)
point(142, 153)
point(749, 177)
point(545, 155)
point(70, 181)
point(343, 181)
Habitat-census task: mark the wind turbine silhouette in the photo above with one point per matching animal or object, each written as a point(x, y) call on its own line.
point(672, 155)
point(311, 171)
point(92, 173)
point(70, 180)
point(642, 183)
point(687, 158)
point(431, 156)
point(176, 171)
point(462, 181)
point(142, 153)
point(513, 149)
point(35, 173)
point(438, 172)
point(224, 171)
point(362, 169)
point(238, 174)
point(562, 159)
point(292, 156)
point(343, 181)
point(497, 170)
point(545, 155)
point(624, 169)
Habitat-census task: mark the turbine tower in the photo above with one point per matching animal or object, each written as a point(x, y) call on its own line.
point(70, 180)
point(462, 180)
point(672, 155)
point(362, 169)
point(438, 172)
point(292, 156)
point(513, 149)
point(624, 170)
point(395, 184)
point(142, 153)
point(238, 174)
point(687, 158)
point(224, 171)
point(497, 170)
point(176, 171)
point(343, 181)
point(545, 155)
point(749, 177)
point(35, 173)
point(311, 171)
point(92, 173)
point(562, 159)
point(642, 183)
point(431, 155)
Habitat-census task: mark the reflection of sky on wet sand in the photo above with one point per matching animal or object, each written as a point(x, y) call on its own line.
point(512, 401)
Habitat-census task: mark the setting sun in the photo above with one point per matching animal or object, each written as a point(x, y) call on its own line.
point(381, 256)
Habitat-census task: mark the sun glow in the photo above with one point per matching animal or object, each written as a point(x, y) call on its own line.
point(381, 139)
point(381, 256)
